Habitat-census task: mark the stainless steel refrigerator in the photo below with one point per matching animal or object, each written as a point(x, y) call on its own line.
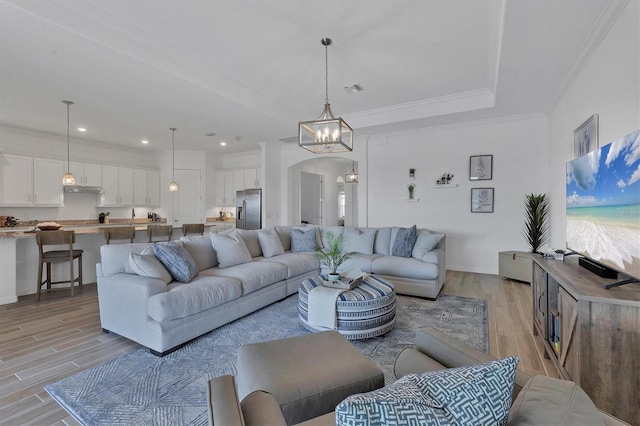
point(249, 209)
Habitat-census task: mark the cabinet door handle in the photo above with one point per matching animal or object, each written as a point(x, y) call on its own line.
point(539, 300)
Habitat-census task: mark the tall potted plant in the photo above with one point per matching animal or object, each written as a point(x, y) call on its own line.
point(332, 256)
point(536, 230)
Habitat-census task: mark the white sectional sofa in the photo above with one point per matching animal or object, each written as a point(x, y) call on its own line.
point(238, 272)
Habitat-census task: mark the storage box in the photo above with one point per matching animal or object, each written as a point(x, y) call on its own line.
point(516, 265)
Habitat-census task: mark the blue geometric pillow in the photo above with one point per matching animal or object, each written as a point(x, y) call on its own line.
point(478, 395)
point(303, 240)
point(177, 260)
point(403, 244)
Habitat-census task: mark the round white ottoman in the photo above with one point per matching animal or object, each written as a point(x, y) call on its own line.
point(369, 310)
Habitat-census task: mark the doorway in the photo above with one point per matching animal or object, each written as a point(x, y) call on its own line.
point(311, 191)
point(188, 200)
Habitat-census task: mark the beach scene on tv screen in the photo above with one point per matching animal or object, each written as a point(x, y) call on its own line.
point(603, 205)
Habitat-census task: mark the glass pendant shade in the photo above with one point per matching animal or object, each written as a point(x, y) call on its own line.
point(173, 187)
point(351, 177)
point(68, 179)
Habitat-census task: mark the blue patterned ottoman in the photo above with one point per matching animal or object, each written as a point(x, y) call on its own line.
point(369, 310)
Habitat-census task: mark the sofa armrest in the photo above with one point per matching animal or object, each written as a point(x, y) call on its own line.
point(222, 402)
point(451, 352)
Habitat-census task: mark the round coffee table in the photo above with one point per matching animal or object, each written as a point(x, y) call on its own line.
point(369, 310)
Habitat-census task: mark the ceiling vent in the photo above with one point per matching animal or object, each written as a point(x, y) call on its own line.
point(354, 88)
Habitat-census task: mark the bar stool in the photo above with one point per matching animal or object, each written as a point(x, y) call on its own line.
point(119, 233)
point(193, 228)
point(48, 238)
point(159, 231)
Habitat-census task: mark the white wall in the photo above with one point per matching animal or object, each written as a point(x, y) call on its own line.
point(518, 146)
point(609, 85)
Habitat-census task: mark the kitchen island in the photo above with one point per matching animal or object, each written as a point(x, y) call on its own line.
point(19, 253)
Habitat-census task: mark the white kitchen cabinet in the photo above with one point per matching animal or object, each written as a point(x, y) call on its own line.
point(238, 182)
point(146, 187)
point(219, 182)
point(86, 174)
point(117, 183)
point(252, 178)
point(16, 180)
point(47, 182)
point(229, 189)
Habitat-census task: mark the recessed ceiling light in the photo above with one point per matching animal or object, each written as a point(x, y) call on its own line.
point(144, 141)
point(223, 143)
point(353, 88)
point(82, 129)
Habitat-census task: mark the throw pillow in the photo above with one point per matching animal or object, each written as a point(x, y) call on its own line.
point(478, 395)
point(359, 240)
point(251, 240)
point(270, 242)
point(177, 260)
point(303, 240)
point(404, 241)
point(230, 249)
point(200, 248)
point(425, 242)
point(148, 265)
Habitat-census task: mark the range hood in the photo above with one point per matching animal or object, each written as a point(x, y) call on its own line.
point(83, 189)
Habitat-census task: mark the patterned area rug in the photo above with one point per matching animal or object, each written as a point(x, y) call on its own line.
point(139, 388)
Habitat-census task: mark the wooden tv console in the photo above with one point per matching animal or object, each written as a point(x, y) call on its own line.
point(592, 335)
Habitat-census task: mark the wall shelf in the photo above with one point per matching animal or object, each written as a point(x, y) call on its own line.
point(445, 185)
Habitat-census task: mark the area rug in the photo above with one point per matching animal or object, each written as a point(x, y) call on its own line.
point(139, 388)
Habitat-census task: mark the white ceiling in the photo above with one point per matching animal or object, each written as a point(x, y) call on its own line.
point(249, 70)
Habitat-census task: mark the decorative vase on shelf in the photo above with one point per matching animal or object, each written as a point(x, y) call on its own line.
point(411, 186)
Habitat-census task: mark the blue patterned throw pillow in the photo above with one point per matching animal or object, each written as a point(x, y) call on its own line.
point(177, 260)
point(303, 240)
point(478, 395)
point(403, 244)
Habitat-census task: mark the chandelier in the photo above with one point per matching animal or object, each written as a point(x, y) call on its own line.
point(353, 176)
point(326, 134)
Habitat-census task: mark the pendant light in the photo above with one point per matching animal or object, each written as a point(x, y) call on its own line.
point(173, 186)
point(326, 134)
point(353, 176)
point(68, 178)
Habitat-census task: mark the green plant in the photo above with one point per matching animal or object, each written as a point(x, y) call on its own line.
point(560, 251)
point(332, 256)
point(536, 229)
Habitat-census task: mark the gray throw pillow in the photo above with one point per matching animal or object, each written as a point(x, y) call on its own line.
point(148, 265)
point(404, 241)
point(200, 248)
point(230, 249)
point(478, 394)
point(270, 242)
point(303, 240)
point(177, 260)
point(359, 240)
point(425, 242)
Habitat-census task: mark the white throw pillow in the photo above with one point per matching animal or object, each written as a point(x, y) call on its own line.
point(148, 265)
point(425, 242)
point(359, 240)
point(270, 242)
point(230, 249)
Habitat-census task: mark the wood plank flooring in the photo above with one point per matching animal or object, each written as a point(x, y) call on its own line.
point(43, 342)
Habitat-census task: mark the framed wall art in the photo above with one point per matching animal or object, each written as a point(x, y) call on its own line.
point(585, 137)
point(481, 167)
point(482, 200)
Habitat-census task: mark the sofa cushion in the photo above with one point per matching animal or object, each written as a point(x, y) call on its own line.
point(478, 394)
point(201, 249)
point(230, 249)
point(148, 265)
point(177, 260)
point(114, 258)
point(284, 232)
point(363, 262)
point(405, 267)
point(359, 240)
point(425, 242)
point(324, 233)
point(403, 240)
point(547, 401)
point(303, 240)
point(251, 240)
point(182, 300)
point(270, 242)
point(296, 263)
point(382, 244)
point(253, 275)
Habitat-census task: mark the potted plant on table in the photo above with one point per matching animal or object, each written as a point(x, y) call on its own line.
point(559, 254)
point(536, 229)
point(332, 256)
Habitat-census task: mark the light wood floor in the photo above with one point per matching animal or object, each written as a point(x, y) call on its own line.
point(43, 342)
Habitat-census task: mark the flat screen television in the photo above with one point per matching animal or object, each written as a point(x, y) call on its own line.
point(603, 206)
